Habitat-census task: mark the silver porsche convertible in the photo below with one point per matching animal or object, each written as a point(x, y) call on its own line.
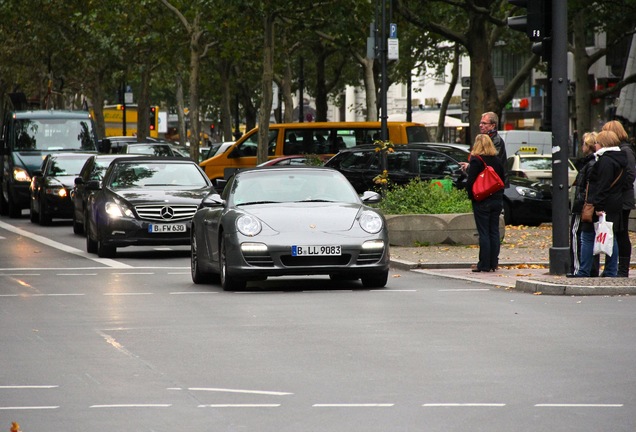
point(285, 221)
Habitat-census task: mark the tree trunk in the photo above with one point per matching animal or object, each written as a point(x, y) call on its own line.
point(226, 103)
point(143, 105)
point(286, 90)
point(181, 120)
point(583, 91)
point(321, 88)
point(195, 63)
point(449, 93)
point(369, 88)
point(268, 79)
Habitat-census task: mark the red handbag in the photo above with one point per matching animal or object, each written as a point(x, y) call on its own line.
point(487, 182)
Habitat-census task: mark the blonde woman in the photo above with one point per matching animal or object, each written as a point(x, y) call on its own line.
point(588, 147)
point(622, 236)
point(605, 191)
point(487, 211)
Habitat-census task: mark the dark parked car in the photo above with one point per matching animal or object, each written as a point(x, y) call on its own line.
point(285, 221)
point(143, 201)
point(525, 201)
point(93, 169)
point(51, 186)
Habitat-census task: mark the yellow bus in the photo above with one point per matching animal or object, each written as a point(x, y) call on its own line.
point(114, 115)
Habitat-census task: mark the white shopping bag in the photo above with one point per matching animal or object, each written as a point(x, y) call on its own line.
point(604, 237)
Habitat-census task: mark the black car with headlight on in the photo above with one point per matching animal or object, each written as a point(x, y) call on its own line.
point(286, 221)
point(143, 201)
point(52, 184)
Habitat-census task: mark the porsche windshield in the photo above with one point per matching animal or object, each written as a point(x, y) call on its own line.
point(280, 186)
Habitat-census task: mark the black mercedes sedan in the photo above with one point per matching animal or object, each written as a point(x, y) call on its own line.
point(143, 201)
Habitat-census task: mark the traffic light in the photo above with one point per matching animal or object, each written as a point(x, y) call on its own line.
point(535, 23)
point(153, 118)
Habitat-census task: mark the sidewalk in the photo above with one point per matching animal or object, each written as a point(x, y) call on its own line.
point(524, 265)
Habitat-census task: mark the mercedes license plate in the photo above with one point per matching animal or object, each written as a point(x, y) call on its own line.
point(166, 228)
point(316, 250)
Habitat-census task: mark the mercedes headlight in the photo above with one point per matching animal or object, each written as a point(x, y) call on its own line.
point(248, 225)
point(527, 192)
point(371, 222)
point(117, 209)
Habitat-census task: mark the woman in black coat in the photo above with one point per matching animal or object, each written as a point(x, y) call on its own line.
point(584, 165)
point(487, 211)
point(605, 192)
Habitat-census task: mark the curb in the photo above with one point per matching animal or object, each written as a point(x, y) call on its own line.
point(600, 286)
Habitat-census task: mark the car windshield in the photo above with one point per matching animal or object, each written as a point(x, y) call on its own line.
point(536, 163)
point(281, 186)
point(54, 134)
point(66, 166)
point(154, 174)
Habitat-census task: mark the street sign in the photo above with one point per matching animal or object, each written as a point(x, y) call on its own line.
point(393, 49)
point(466, 81)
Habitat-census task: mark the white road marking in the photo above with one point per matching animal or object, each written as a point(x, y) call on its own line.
point(76, 274)
point(28, 386)
point(193, 292)
point(263, 392)
point(28, 408)
point(61, 246)
point(54, 295)
point(240, 406)
point(353, 405)
point(134, 273)
point(128, 294)
point(463, 290)
point(132, 406)
point(565, 405)
point(464, 405)
point(20, 274)
point(391, 290)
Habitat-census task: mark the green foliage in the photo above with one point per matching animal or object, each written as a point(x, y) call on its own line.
point(422, 197)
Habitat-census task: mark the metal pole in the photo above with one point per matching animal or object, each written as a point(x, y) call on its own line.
point(559, 253)
point(383, 51)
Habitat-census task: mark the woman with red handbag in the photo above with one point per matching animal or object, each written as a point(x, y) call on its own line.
point(487, 210)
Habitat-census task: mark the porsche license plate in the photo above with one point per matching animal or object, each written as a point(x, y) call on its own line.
point(166, 228)
point(316, 250)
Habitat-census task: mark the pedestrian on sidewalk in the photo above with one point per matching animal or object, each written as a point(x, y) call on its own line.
point(622, 236)
point(605, 192)
point(487, 211)
point(583, 165)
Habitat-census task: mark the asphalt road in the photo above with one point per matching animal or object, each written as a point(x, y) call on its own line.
point(129, 343)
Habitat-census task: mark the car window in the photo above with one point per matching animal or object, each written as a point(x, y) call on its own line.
point(399, 161)
point(127, 175)
point(436, 164)
point(64, 166)
point(535, 163)
point(416, 134)
point(357, 160)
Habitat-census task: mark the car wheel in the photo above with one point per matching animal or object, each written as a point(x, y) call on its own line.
point(228, 282)
point(507, 213)
point(91, 245)
point(198, 275)
point(43, 218)
point(78, 228)
point(375, 279)
point(14, 211)
point(105, 251)
point(33, 215)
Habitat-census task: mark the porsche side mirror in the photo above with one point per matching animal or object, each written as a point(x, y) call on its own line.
point(370, 197)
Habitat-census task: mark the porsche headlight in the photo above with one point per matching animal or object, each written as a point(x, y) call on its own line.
point(371, 222)
point(248, 225)
point(527, 192)
point(117, 209)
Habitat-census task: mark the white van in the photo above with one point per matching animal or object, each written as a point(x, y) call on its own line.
point(527, 141)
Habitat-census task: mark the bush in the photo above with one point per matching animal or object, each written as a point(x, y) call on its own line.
point(422, 197)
